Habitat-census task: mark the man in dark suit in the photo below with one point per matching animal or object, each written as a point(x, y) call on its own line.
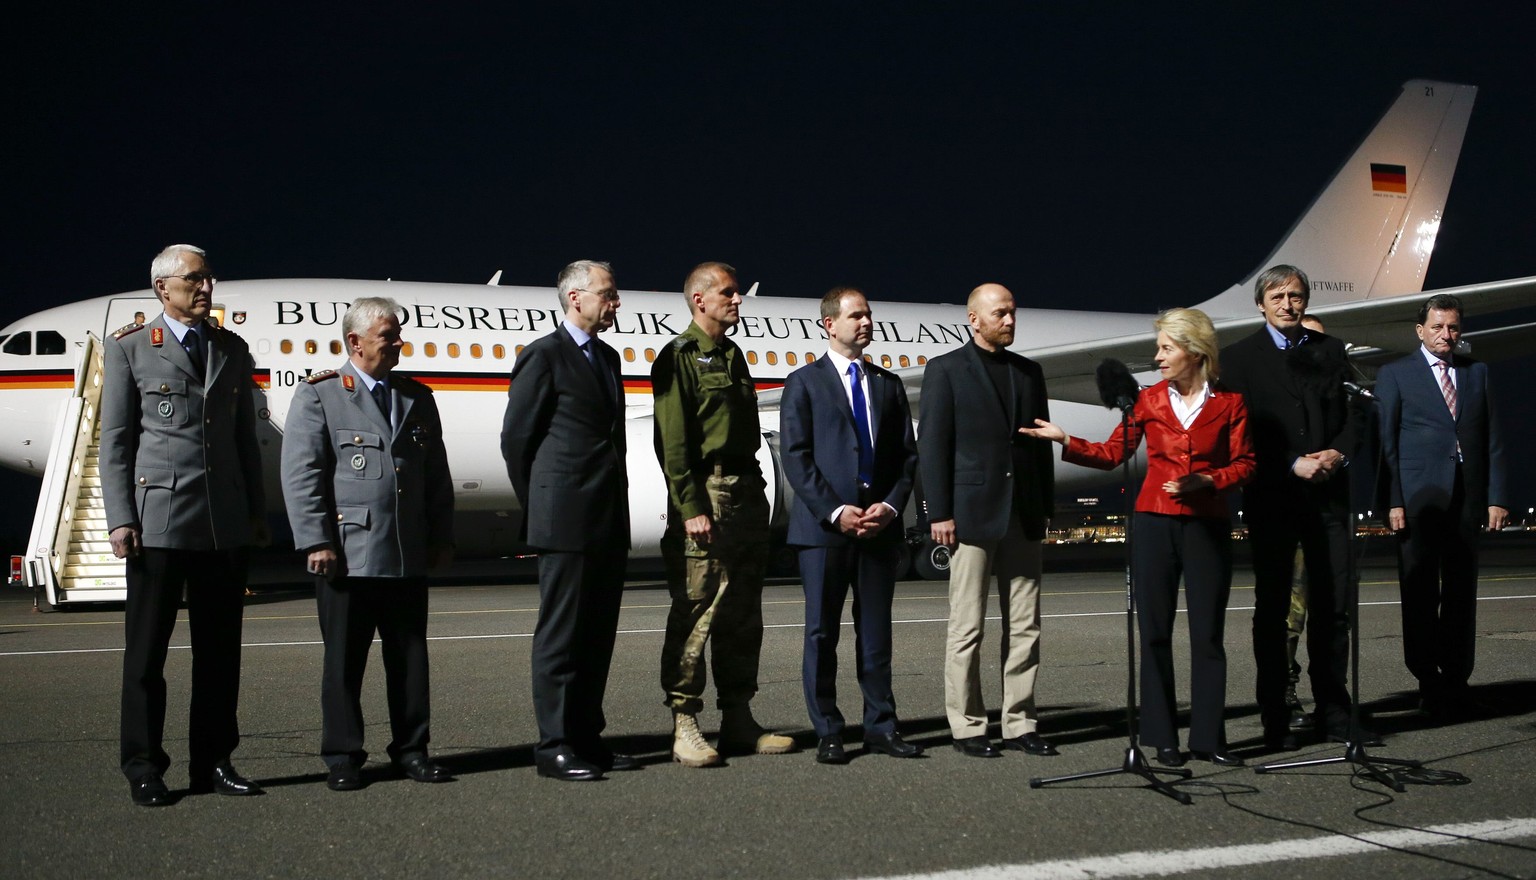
point(987, 490)
point(850, 456)
point(370, 500)
point(1292, 380)
point(563, 441)
point(181, 477)
point(1446, 479)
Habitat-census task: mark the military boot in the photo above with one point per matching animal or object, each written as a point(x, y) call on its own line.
point(689, 747)
point(741, 734)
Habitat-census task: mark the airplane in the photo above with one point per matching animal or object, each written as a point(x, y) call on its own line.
point(1366, 242)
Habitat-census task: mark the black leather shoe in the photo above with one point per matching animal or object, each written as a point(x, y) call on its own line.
point(620, 763)
point(1220, 758)
point(891, 744)
point(1170, 757)
point(344, 777)
point(1362, 737)
point(149, 791)
point(566, 765)
point(829, 750)
point(224, 780)
point(420, 768)
point(1281, 741)
point(1030, 743)
point(977, 747)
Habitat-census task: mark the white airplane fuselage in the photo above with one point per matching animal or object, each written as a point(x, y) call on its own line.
point(463, 340)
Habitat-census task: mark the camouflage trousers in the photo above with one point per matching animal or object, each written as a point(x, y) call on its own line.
point(717, 591)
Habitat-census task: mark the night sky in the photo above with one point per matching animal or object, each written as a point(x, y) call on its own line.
point(1091, 157)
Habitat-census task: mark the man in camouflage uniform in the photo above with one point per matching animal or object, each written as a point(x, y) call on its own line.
point(716, 544)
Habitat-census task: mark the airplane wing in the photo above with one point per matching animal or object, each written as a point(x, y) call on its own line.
point(1376, 330)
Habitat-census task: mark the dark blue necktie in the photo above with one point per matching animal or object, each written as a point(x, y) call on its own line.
point(861, 423)
point(194, 343)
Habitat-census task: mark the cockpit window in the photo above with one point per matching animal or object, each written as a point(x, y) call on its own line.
point(21, 343)
point(50, 342)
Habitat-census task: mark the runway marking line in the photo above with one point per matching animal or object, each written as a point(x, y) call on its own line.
point(633, 632)
point(1163, 863)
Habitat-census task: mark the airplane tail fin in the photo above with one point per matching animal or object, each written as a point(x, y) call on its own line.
point(1370, 232)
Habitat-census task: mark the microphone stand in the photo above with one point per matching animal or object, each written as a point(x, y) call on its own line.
point(1354, 751)
point(1134, 763)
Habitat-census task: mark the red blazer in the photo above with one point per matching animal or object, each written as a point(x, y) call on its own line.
point(1216, 443)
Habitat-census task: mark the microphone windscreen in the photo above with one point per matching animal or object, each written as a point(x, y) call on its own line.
point(1117, 387)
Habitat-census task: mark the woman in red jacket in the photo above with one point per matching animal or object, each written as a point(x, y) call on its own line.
point(1197, 449)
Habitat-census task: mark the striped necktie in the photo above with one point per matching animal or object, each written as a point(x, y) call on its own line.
point(1447, 388)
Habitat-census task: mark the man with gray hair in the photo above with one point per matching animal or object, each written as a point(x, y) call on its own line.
point(370, 500)
point(564, 444)
point(181, 478)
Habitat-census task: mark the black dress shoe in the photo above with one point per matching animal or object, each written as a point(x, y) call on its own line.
point(619, 763)
point(224, 780)
point(566, 765)
point(977, 747)
point(149, 791)
point(1170, 757)
point(891, 744)
point(344, 777)
point(1220, 758)
point(1031, 743)
point(422, 769)
point(1281, 740)
point(829, 750)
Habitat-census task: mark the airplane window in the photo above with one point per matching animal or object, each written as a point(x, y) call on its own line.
point(476, 350)
point(906, 361)
point(498, 351)
point(335, 346)
point(869, 359)
point(922, 359)
point(810, 358)
point(453, 349)
point(310, 346)
point(773, 357)
point(286, 346)
point(50, 342)
point(21, 343)
point(885, 360)
point(408, 349)
point(650, 355)
point(752, 357)
point(518, 350)
point(629, 355)
point(429, 349)
point(790, 359)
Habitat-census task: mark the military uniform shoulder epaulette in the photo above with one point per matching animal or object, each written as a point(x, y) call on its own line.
point(321, 376)
point(683, 342)
point(120, 332)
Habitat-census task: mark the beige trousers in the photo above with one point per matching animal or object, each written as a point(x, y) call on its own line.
point(1015, 562)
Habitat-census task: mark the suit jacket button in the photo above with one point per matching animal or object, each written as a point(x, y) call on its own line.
point(143, 480)
point(1008, 474)
point(357, 438)
point(164, 388)
point(339, 517)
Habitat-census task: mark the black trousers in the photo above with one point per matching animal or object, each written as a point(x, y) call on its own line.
point(214, 583)
point(1274, 532)
point(1437, 576)
point(579, 597)
point(828, 573)
point(1199, 549)
point(351, 611)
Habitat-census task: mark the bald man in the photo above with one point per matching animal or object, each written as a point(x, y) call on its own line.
point(987, 494)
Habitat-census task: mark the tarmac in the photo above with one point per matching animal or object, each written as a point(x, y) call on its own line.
point(64, 809)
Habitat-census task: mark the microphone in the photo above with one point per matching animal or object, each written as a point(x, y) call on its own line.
point(1117, 387)
point(1358, 391)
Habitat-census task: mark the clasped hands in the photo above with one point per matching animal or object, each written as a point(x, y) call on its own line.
point(1317, 467)
point(857, 522)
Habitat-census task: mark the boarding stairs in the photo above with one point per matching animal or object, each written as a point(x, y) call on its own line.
point(69, 557)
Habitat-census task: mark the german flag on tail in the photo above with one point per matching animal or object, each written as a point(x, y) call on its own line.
point(1389, 178)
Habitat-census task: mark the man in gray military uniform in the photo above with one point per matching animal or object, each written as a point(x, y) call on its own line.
point(181, 478)
point(365, 478)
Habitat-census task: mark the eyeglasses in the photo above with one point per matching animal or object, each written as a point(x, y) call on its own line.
point(196, 279)
point(610, 295)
